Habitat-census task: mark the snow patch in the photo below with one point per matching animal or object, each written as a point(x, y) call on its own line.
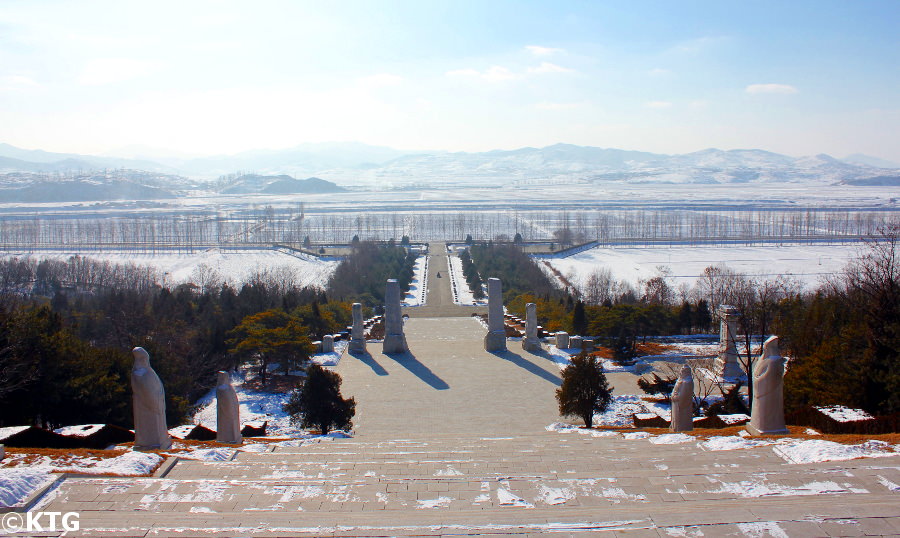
point(671, 439)
point(440, 502)
point(844, 414)
point(817, 450)
point(17, 484)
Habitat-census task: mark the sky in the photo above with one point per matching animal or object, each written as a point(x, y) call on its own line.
point(208, 78)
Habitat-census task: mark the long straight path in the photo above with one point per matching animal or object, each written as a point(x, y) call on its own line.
point(439, 298)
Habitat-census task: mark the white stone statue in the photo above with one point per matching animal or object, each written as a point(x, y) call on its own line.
point(149, 400)
point(727, 364)
point(683, 402)
point(358, 331)
point(767, 413)
point(531, 341)
point(562, 340)
point(394, 338)
point(495, 339)
point(228, 412)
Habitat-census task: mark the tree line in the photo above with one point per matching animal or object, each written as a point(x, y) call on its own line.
point(65, 358)
point(363, 274)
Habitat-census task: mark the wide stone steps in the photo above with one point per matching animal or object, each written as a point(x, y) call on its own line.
point(518, 484)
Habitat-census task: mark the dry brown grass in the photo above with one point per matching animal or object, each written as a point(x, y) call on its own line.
point(652, 348)
point(69, 457)
point(647, 348)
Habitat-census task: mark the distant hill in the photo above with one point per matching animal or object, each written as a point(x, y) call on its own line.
point(868, 160)
point(82, 191)
point(281, 184)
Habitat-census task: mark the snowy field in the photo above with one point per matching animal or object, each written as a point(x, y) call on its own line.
point(807, 263)
point(232, 266)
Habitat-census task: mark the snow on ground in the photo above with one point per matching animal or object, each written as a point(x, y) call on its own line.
point(9, 431)
point(817, 450)
point(332, 358)
point(82, 430)
point(418, 287)
point(792, 450)
point(19, 480)
point(256, 406)
point(234, 266)
point(807, 263)
point(16, 484)
point(461, 292)
point(844, 414)
point(623, 406)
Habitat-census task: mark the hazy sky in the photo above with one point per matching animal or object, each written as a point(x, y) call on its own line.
point(197, 77)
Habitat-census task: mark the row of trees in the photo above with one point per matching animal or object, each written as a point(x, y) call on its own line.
point(292, 224)
point(361, 276)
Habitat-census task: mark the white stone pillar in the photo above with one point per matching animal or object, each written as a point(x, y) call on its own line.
point(495, 339)
point(358, 332)
point(531, 342)
point(727, 364)
point(394, 339)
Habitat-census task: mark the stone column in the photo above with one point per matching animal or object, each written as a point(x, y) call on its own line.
point(531, 341)
point(683, 402)
point(228, 412)
point(328, 343)
point(495, 339)
point(727, 364)
point(562, 340)
point(394, 339)
point(358, 332)
point(149, 399)
point(767, 414)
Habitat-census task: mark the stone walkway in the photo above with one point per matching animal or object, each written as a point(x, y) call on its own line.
point(450, 440)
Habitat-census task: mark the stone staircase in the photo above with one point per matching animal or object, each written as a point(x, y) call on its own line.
point(519, 484)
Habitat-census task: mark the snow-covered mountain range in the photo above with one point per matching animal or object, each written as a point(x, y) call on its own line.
point(362, 165)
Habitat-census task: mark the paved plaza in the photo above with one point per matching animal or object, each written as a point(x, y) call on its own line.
point(451, 440)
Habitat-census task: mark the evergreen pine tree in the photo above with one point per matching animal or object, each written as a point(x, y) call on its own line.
point(584, 390)
point(318, 402)
point(579, 319)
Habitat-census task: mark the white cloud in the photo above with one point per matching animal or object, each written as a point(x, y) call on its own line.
point(463, 73)
point(547, 67)
point(108, 70)
point(784, 89)
point(658, 104)
point(537, 50)
point(497, 73)
point(18, 81)
point(494, 73)
point(380, 80)
point(558, 106)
